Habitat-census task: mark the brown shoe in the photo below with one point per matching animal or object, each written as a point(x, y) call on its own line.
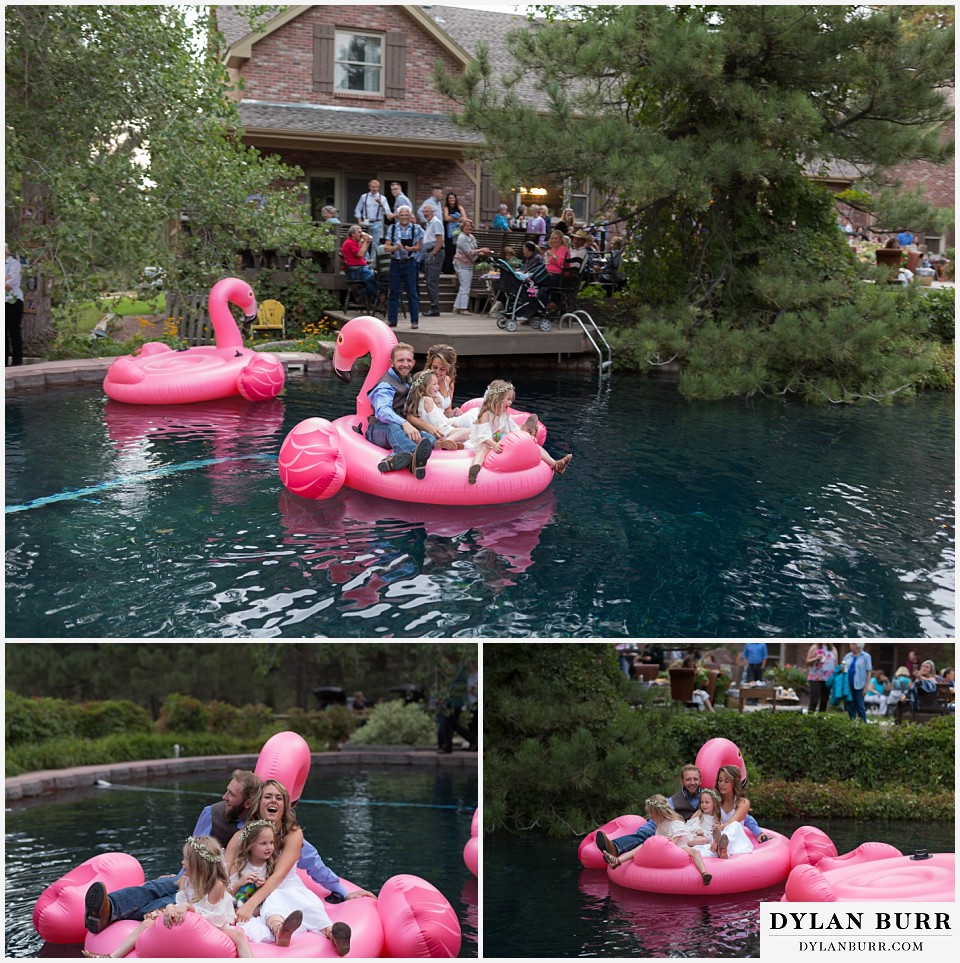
point(340, 934)
point(96, 908)
point(605, 843)
point(445, 445)
point(396, 462)
point(288, 927)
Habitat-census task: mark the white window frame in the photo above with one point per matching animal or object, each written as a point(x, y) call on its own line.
point(382, 67)
point(570, 194)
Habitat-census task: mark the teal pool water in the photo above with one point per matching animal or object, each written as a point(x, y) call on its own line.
point(368, 825)
point(674, 520)
point(578, 911)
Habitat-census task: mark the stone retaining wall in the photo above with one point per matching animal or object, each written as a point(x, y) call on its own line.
point(50, 781)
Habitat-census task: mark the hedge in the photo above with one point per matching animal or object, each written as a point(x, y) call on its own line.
point(39, 719)
point(830, 748)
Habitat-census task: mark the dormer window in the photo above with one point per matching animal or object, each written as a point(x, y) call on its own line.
point(358, 67)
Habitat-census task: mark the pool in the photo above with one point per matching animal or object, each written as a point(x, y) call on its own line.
point(586, 915)
point(729, 519)
point(368, 825)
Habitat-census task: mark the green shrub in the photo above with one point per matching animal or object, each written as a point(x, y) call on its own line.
point(396, 724)
point(935, 309)
point(244, 722)
point(65, 752)
point(826, 747)
point(33, 720)
point(92, 720)
point(326, 730)
point(183, 714)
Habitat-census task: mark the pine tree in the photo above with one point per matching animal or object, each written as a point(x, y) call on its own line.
point(701, 125)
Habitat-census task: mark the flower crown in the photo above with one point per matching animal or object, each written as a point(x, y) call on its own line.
point(652, 802)
point(422, 377)
point(198, 847)
point(253, 827)
point(712, 793)
point(499, 390)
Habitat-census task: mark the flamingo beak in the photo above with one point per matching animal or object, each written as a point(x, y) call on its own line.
point(250, 318)
point(345, 376)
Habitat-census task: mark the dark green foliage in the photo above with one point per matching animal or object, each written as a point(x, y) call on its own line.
point(790, 800)
point(65, 752)
point(250, 672)
point(830, 747)
point(243, 722)
point(183, 714)
point(325, 731)
point(94, 720)
point(702, 126)
point(936, 313)
point(562, 747)
point(33, 720)
point(302, 297)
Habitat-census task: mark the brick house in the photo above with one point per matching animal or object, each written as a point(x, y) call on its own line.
point(344, 92)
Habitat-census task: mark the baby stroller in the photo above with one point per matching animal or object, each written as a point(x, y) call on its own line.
point(518, 295)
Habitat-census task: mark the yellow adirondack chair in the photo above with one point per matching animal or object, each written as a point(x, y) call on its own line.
point(270, 317)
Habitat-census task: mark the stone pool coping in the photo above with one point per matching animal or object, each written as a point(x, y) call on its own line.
point(50, 781)
point(76, 371)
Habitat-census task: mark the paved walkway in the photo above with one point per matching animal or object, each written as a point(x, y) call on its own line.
point(49, 781)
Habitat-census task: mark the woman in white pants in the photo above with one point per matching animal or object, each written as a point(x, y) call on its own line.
point(463, 262)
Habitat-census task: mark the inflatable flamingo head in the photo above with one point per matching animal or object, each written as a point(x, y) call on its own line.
point(360, 336)
point(237, 292)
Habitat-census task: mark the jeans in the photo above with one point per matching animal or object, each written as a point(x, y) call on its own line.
point(432, 263)
point(375, 230)
point(754, 672)
point(403, 274)
point(134, 902)
point(393, 437)
point(367, 275)
point(855, 705)
point(625, 843)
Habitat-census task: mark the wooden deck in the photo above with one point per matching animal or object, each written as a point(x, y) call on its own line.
point(477, 334)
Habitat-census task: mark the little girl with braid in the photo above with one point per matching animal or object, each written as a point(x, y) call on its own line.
point(203, 890)
point(493, 422)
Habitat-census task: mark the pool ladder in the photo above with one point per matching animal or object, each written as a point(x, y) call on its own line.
point(589, 328)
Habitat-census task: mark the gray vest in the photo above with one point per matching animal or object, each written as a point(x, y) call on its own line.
point(682, 806)
point(221, 830)
point(400, 391)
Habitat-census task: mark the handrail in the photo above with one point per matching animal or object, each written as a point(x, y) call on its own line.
point(606, 366)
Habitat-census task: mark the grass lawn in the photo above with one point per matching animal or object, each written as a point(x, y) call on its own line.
point(92, 311)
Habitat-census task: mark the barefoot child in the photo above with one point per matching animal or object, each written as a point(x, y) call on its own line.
point(203, 890)
point(706, 835)
point(494, 421)
point(291, 906)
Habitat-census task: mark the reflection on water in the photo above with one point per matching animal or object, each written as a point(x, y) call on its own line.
point(579, 912)
point(368, 825)
point(680, 520)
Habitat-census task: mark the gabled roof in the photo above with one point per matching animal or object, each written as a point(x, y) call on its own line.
point(457, 29)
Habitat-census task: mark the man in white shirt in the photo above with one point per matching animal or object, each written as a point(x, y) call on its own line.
point(436, 199)
point(432, 257)
point(370, 212)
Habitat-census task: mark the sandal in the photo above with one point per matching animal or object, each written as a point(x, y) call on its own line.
point(445, 445)
point(722, 847)
point(706, 879)
point(559, 467)
point(472, 474)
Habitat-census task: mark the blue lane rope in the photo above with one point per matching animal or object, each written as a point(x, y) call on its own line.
point(103, 784)
point(73, 494)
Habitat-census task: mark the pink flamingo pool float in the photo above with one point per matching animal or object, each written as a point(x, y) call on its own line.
point(158, 375)
point(319, 457)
